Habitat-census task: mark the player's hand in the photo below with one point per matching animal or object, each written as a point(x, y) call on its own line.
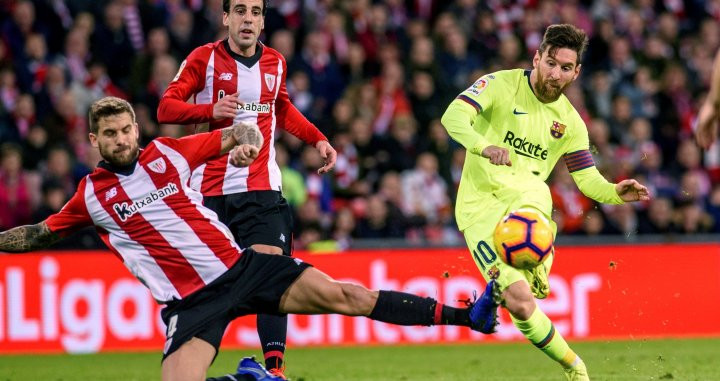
point(328, 154)
point(243, 155)
point(226, 107)
point(707, 126)
point(497, 155)
point(631, 190)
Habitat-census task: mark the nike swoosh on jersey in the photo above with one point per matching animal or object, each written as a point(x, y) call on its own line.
point(516, 112)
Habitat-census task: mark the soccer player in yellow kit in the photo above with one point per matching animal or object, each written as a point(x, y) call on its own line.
point(515, 125)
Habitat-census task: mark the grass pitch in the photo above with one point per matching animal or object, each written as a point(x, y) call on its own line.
point(687, 360)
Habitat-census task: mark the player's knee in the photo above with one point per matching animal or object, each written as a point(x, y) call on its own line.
point(522, 310)
point(519, 302)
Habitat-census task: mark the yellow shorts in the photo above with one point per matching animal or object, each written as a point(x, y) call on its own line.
point(479, 238)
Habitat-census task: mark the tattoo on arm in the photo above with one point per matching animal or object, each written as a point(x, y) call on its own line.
point(247, 133)
point(27, 238)
point(227, 141)
point(226, 133)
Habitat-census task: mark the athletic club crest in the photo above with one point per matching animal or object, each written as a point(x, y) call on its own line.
point(557, 130)
point(270, 81)
point(158, 165)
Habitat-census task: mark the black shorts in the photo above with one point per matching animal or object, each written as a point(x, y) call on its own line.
point(253, 285)
point(257, 217)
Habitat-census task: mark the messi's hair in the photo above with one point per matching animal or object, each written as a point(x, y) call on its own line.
point(226, 6)
point(564, 36)
point(108, 106)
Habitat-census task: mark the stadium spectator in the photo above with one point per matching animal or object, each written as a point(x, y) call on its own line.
point(53, 87)
point(402, 145)
point(77, 54)
point(32, 65)
point(377, 221)
point(16, 185)
point(425, 101)
point(326, 81)
point(35, 147)
point(59, 167)
point(54, 197)
point(111, 43)
point(347, 183)
point(659, 217)
point(443, 148)
point(23, 116)
point(425, 192)
point(293, 184)
point(158, 45)
point(343, 228)
point(570, 205)
point(181, 30)
point(390, 190)
point(20, 26)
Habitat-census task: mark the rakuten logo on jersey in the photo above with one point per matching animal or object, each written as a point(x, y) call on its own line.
point(260, 108)
point(525, 148)
point(125, 211)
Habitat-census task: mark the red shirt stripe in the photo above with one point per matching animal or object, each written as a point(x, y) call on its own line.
point(175, 266)
point(185, 209)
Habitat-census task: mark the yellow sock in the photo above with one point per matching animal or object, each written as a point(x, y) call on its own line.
point(541, 332)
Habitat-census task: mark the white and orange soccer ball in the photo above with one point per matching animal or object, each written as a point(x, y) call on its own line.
point(524, 238)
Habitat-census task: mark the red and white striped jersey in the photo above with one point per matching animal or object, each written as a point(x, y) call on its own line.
point(213, 71)
point(153, 221)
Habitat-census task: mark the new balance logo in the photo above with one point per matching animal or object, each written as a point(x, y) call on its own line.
point(516, 112)
point(125, 211)
point(111, 193)
point(225, 76)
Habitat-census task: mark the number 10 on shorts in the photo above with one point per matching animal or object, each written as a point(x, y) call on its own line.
point(484, 255)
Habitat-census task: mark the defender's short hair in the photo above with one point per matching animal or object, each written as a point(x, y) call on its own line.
point(105, 107)
point(226, 6)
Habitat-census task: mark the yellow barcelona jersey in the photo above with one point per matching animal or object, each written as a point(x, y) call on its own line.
point(505, 112)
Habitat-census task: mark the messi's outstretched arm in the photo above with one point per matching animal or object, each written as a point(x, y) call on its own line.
point(458, 119)
point(27, 238)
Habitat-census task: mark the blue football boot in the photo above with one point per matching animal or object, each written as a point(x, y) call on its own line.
point(249, 366)
point(483, 311)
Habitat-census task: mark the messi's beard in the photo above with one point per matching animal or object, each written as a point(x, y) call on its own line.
point(546, 92)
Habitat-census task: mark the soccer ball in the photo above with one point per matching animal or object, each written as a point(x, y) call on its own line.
point(523, 239)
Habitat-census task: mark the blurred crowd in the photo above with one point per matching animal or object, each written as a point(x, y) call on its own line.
point(375, 77)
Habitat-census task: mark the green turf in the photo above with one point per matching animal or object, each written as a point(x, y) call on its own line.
point(685, 360)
